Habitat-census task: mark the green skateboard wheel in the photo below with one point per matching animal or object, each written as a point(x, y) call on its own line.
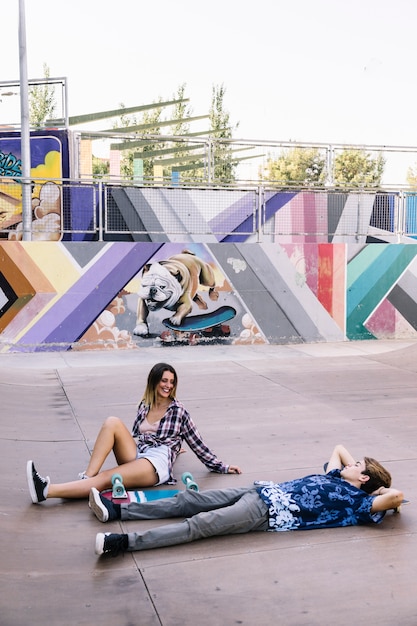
point(186, 476)
point(116, 478)
point(119, 490)
point(188, 481)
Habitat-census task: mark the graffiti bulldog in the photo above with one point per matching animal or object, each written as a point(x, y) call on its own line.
point(173, 284)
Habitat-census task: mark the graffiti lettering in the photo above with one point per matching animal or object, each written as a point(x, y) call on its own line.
point(10, 165)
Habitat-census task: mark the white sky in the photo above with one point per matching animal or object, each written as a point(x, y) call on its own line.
point(340, 71)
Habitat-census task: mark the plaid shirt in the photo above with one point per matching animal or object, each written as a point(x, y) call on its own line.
point(175, 427)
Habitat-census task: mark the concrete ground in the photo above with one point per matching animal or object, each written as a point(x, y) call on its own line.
point(277, 411)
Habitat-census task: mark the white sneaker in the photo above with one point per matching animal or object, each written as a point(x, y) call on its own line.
point(103, 509)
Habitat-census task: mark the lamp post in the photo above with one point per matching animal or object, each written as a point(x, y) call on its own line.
point(24, 128)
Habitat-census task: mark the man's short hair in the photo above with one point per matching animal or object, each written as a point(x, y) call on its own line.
point(378, 475)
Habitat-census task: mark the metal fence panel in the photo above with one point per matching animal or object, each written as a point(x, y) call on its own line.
point(179, 211)
point(410, 214)
point(101, 210)
point(59, 207)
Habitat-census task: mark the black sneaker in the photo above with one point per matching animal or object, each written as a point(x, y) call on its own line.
point(102, 507)
point(38, 486)
point(111, 544)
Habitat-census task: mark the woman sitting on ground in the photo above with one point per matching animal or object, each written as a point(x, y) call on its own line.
point(146, 457)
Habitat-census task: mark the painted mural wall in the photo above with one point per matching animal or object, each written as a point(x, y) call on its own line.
point(124, 295)
point(50, 160)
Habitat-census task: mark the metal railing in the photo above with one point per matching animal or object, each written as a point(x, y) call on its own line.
point(121, 210)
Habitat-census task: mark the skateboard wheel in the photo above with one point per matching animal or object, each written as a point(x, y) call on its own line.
point(188, 481)
point(186, 477)
point(116, 478)
point(118, 491)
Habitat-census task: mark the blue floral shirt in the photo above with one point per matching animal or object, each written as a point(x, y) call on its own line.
point(316, 501)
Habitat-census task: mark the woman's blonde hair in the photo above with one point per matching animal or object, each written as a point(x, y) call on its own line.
point(378, 475)
point(154, 378)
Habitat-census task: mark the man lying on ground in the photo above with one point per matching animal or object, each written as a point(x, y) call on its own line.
point(351, 492)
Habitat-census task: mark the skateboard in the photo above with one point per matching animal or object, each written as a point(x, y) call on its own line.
point(119, 495)
point(398, 509)
point(197, 328)
point(196, 323)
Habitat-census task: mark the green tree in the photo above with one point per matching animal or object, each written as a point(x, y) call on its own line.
point(101, 167)
point(41, 101)
point(183, 151)
point(412, 176)
point(179, 154)
point(151, 120)
point(304, 166)
point(357, 168)
point(222, 156)
point(126, 165)
point(181, 112)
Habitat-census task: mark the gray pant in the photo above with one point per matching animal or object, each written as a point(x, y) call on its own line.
point(208, 513)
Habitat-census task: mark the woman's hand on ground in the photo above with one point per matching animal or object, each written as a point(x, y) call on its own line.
point(234, 469)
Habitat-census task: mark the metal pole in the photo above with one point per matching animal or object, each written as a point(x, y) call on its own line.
point(209, 159)
point(24, 128)
point(100, 210)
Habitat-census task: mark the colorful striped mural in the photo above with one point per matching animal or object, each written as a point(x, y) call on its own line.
point(72, 296)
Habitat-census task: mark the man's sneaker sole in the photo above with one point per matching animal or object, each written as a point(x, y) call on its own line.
point(111, 544)
point(96, 505)
point(100, 537)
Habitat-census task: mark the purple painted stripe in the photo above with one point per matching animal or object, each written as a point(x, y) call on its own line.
point(276, 201)
point(74, 313)
point(235, 214)
point(241, 233)
point(273, 203)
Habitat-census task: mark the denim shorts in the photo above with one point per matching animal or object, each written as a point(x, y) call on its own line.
point(159, 458)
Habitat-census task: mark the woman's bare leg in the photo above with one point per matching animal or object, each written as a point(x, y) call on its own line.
point(138, 473)
point(115, 436)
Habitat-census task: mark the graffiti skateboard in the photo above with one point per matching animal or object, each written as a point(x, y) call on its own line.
point(119, 495)
point(195, 323)
point(207, 325)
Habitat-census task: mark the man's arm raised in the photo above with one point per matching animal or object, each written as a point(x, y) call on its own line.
point(339, 458)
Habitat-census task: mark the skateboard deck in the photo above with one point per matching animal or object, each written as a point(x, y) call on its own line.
point(119, 495)
point(140, 495)
point(194, 323)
